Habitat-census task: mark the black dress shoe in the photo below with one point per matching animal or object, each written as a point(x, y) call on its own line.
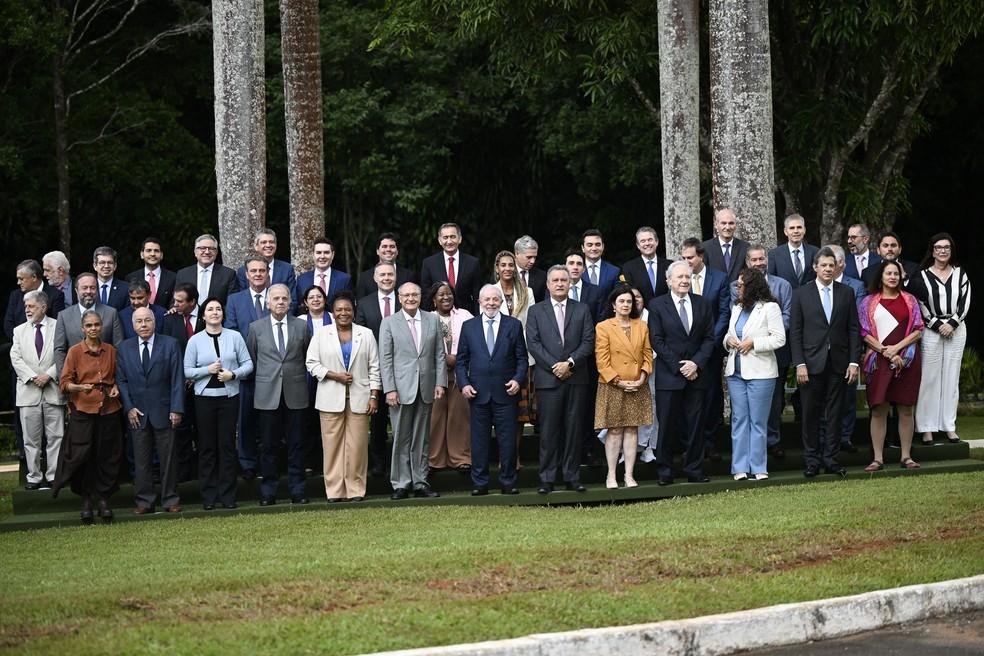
point(376, 470)
point(336, 499)
point(356, 499)
point(249, 474)
point(426, 491)
point(268, 501)
point(208, 506)
point(698, 479)
point(399, 493)
point(836, 471)
point(545, 488)
point(231, 506)
point(32, 486)
point(105, 513)
point(510, 490)
point(45, 484)
point(777, 452)
point(576, 487)
point(480, 491)
point(664, 480)
point(847, 447)
point(810, 472)
point(299, 500)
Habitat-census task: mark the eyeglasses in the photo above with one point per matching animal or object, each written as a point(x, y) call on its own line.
point(206, 248)
point(941, 248)
point(410, 295)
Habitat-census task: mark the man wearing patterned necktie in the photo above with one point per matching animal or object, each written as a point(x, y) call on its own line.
point(725, 252)
point(330, 279)
point(160, 280)
point(210, 279)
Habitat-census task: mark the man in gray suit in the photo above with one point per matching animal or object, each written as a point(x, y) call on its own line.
point(411, 362)
point(278, 347)
point(68, 329)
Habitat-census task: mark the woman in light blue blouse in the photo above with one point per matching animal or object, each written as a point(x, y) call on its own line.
point(215, 360)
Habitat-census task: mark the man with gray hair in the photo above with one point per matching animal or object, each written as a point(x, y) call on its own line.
point(40, 403)
point(281, 273)
point(413, 372)
point(29, 279)
point(527, 250)
point(862, 257)
point(112, 290)
point(210, 279)
point(792, 261)
point(647, 273)
point(57, 270)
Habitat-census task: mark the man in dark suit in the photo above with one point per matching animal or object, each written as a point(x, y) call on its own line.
point(112, 291)
point(793, 261)
point(825, 343)
point(150, 375)
point(600, 273)
point(245, 307)
point(491, 367)
point(860, 256)
point(139, 298)
point(647, 273)
point(460, 270)
point(29, 279)
point(370, 312)
point(712, 285)
point(387, 250)
point(527, 250)
point(890, 248)
point(278, 347)
point(580, 289)
point(725, 252)
point(560, 337)
point(211, 280)
point(330, 280)
point(160, 280)
point(68, 329)
point(681, 328)
point(181, 324)
point(281, 272)
point(57, 271)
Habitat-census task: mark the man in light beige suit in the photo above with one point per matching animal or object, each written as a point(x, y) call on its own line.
point(39, 401)
point(411, 362)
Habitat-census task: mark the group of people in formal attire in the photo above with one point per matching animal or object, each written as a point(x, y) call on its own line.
point(224, 371)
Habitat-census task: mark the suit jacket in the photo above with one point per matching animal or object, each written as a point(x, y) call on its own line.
point(717, 292)
point(240, 312)
point(781, 264)
point(868, 275)
point(636, 273)
point(537, 282)
point(764, 327)
point(851, 265)
point(607, 278)
point(173, 326)
point(119, 293)
point(339, 281)
point(589, 295)
point(468, 278)
point(222, 282)
point(860, 291)
point(165, 286)
point(618, 355)
point(15, 314)
point(325, 354)
point(26, 364)
point(488, 374)
point(126, 320)
point(811, 338)
point(783, 293)
point(714, 256)
point(367, 285)
point(283, 274)
point(671, 343)
point(159, 391)
point(403, 369)
point(546, 347)
point(367, 312)
point(274, 374)
point(68, 330)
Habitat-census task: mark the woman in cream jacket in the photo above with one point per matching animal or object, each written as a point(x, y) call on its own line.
point(755, 331)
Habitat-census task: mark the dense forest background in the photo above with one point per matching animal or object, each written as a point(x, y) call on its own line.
point(507, 130)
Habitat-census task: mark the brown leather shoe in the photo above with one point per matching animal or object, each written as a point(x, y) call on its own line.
point(142, 510)
point(174, 508)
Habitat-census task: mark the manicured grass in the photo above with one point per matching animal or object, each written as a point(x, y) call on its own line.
point(349, 582)
point(8, 483)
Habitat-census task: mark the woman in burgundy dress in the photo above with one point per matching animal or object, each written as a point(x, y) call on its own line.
point(891, 325)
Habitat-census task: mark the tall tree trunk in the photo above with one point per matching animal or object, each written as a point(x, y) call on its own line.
point(240, 124)
point(301, 54)
point(679, 100)
point(741, 116)
point(61, 157)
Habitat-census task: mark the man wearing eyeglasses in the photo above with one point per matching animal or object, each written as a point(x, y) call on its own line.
point(208, 277)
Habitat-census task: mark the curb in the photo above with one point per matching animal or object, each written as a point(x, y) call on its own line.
point(773, 626)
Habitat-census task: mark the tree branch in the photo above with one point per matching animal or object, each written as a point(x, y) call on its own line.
point(78, 49)
point(105, 132)
point(645, 99)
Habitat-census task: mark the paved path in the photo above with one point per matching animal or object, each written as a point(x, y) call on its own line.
point(956, 635)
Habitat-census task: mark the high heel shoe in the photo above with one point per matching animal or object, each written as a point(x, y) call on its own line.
point(630, 482)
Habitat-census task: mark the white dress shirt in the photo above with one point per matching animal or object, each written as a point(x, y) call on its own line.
point(274, 322)
point(150, 346)
point(382, 305)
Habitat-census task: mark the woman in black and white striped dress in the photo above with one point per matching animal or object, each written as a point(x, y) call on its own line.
point(943, 289)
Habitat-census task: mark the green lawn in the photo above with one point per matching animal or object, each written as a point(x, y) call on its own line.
point(373, 579)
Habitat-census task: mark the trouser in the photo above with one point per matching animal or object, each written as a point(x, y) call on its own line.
point(561, 427)
point(822, 396)
point(379, 455)
point(750, 408)
point(144, 442)
point(345, 440)
point(217, 463)
point(411, 428)
point(503, 417)
point(450, 441)
point(248, 445)
point(274, 424)
point(713, 406)
point(186, 441)
point(939, 390)
point(684, 405)
point(42, 422)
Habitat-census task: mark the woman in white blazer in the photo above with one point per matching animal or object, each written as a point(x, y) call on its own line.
point(754, 333)
point(343, 359)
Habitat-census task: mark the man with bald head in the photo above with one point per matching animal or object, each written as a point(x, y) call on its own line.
point(150, 375)
point(411, 363)
point(724, 251)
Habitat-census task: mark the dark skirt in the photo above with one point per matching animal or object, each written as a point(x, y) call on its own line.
point(91, 454)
